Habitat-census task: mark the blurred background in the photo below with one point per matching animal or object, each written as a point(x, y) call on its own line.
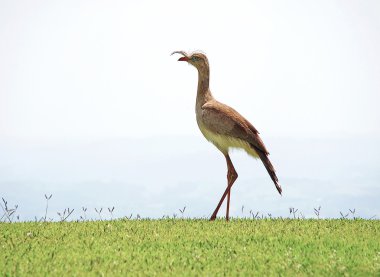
point(94, 110)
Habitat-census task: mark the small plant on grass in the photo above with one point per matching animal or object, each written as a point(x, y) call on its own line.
point(99, 212)
point(65, 215)
point(47, 205)
point(84, 213)
point(343, 216)
point(293, 211)
point(110, 210)
point(254, 216)
point(8, 213)
point(128, 217)
point(182, 211)
point(353, 213)
point(317, 211)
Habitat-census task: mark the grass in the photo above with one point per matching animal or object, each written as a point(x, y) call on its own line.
point(187, 247)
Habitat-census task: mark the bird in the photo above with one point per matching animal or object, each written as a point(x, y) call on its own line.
point(225, 127)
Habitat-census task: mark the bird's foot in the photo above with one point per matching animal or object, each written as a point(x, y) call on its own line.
point(213, 217)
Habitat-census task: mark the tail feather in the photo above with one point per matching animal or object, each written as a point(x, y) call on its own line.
point(269, 167)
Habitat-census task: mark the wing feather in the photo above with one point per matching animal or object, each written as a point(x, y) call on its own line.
point(224, 120)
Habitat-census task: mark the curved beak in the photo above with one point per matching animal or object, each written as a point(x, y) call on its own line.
point(185, 57)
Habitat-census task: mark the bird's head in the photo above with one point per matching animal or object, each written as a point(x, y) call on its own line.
point(197, 59)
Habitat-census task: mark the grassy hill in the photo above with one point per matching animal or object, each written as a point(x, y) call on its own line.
point(191, 248)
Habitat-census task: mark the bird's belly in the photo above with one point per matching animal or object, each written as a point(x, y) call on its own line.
point(224, 143)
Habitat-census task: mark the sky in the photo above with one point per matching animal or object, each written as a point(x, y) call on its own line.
point(77, 73)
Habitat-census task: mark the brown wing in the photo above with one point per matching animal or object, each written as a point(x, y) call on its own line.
point(224, 120)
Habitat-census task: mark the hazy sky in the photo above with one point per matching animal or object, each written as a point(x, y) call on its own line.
point(96, 69)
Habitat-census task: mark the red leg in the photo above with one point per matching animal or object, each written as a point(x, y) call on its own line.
point(228, 205)
point(231, 178)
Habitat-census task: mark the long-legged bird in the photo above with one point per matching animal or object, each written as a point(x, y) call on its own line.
point(225, 127)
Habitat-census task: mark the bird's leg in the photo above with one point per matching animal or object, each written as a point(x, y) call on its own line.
point(228, 204)
point(231, 178)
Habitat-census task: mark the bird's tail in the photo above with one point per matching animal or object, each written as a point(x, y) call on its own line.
point(268, 165)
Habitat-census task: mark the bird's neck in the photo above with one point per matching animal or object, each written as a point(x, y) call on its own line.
point(203, 92)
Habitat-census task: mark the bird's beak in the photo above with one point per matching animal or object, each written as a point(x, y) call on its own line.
point(185, 57)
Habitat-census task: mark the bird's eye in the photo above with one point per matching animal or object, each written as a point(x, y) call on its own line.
point(195, 59)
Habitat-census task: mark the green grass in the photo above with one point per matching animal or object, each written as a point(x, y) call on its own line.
point(192, 248)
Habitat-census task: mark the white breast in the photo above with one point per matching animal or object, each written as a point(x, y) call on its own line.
point(224, 143)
